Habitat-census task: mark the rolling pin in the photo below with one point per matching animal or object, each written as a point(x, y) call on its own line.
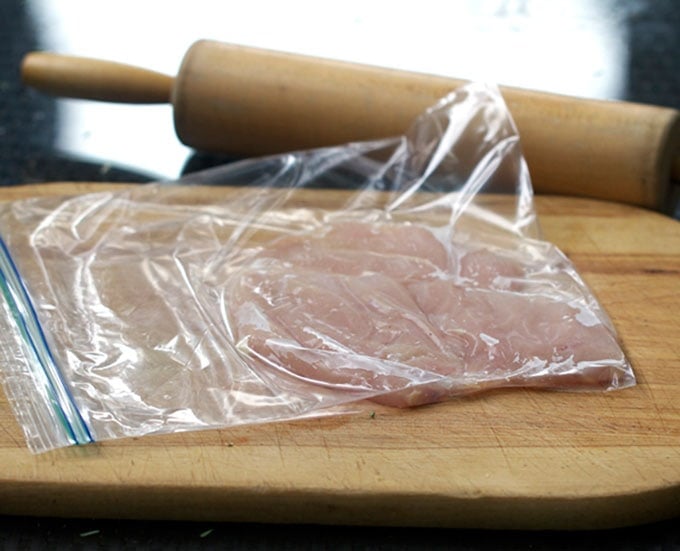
point(248, 101)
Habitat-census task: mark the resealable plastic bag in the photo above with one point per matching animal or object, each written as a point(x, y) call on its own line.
point(403, 271)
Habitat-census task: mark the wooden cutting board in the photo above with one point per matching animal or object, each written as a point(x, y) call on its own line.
point(507, 459)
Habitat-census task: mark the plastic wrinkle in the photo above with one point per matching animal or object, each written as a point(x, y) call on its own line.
point(403, 271)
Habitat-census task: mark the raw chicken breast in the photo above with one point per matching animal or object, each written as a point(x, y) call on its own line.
point(390, 310)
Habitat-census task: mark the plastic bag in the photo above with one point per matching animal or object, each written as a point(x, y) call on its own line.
point(403, 271)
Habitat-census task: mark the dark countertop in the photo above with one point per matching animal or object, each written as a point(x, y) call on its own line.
point(610, 49)
point(28, 533)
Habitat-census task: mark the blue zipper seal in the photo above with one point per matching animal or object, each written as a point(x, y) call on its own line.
point(26, 318)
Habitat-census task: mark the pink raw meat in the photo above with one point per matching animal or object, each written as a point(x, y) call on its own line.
point(386, 309)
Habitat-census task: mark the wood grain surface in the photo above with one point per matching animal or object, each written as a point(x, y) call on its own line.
point(506, 459)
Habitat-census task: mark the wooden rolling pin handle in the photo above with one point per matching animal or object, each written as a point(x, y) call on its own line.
point(79, 77)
